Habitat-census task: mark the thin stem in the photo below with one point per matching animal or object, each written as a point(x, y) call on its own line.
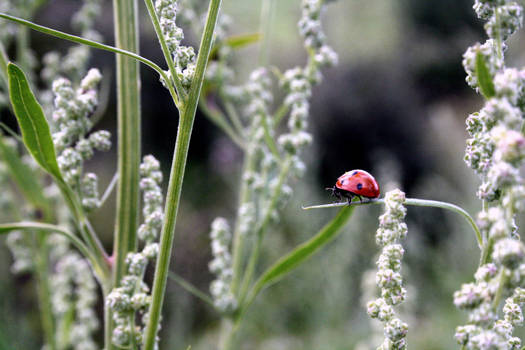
point(254, 257)
point(231, 112)
point(266, 19)
point(44, 293)
point(281, 113)
point(191, 288)
point(109, 189)
point(503, 280)
point(218, 119)
point(11, 132)
point(176, 178)
point(80, 40)
point(415, 202)
point(167, 54)
point(238, 237)
point(270, 142)
point(4, 59)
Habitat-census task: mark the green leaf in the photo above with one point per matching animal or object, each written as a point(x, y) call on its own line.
point(47, 228)
point(33, 124)
point(290, 261)
point(25, 178)
point(236, 42)
point(486, 85)
point(41, 228)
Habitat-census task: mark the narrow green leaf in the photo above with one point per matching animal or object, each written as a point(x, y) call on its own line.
point(236, 42)
point(33, 124)
point(486, 85)
point(302, 252)
point(47, 228)
point(41, 228)
point(25, 178)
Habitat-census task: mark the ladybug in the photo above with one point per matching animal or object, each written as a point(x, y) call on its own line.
point(358, 183)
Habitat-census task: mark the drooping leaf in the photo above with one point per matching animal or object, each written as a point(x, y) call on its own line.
point(25, 178)
point(33, 124)
point(305, 250)
point(486, 85)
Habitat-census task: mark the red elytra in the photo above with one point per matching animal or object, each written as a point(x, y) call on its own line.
point(358, 183)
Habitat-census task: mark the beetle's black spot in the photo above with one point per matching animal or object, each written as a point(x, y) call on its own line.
point(359, 186)
point(355, 172)
point(342, 182)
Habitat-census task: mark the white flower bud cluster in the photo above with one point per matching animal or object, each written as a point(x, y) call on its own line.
point(221, 266)
point(504, 20)
point(183, 56)
point(298, 81)
point(74, 288)
point(478, 298)
point(74, 64)
point(391, 231)
point(71, 124)
point(133, 294)
point(496, 151)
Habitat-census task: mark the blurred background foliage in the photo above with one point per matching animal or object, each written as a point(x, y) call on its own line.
point(395, 105)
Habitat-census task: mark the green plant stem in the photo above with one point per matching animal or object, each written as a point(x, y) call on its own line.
point(418, 203)
point(281, 112)
point(4, 59)
point(126, 19)
point(238, 237)
point(44, 294)
point(178, 166)
point(86, 231)
point(191, 288)
point(503, 280)
point(485, 251)
point(87, 42)
point(261, 229)
point(109, 189)
point(267, 13)
point(180, 95)
point(232, 113)
point(218, 119)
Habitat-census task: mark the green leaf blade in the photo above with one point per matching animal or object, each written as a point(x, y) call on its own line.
point(33, 124)
point(305, 250)
point(486, 85)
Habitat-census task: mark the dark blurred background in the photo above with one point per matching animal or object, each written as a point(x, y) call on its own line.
point(395, 105)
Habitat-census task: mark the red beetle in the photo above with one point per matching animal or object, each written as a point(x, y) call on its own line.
point(358, 183)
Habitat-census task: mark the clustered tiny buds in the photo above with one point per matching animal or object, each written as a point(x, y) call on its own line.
point(495, 152)
point(133, 295)
point(74, 295)
point(183, 56)
point(392, 229)
point(73, 64)
point(221, 266)
point(72, 124)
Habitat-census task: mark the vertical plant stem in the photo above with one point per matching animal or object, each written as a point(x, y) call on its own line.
point(238, 237)
point(3, 65)
point(187, 116)
point(44, 294)
point(128, 110)
point(254, 257)
point(267, 13)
